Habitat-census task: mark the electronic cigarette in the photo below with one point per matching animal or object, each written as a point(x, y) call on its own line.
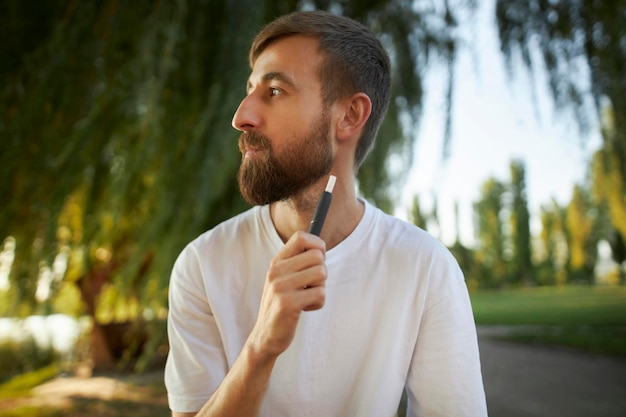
point(322, 207)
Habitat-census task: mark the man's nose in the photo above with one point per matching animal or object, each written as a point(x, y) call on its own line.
point(247, 116)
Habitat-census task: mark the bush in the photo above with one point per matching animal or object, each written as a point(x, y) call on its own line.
point(22, 357)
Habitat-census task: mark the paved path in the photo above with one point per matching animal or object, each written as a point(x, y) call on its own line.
point(524, 380)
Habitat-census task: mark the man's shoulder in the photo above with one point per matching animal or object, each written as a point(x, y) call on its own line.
point(407, 237)
point(402, 230)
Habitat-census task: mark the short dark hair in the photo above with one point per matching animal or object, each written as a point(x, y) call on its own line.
point(354, 61)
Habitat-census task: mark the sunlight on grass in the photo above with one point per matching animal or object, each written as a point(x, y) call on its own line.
point(552, 306)
point(22, 384)
point(136, 395)
point(32, 412)
point(592, 319)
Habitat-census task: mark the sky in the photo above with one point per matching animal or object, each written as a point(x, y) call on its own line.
point(496, 119)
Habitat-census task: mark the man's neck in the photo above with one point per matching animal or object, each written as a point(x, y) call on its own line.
point(296, 213)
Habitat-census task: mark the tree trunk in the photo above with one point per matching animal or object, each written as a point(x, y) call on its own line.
point(90, 286)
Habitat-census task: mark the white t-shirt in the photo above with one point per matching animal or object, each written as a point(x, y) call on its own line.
point(397, 313)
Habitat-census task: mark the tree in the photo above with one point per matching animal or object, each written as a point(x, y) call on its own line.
point(416, 216)
point(582, 240)
point(521, 259)
point(490, 252)
point(551, 268)
point(609, 193)
point(116, 139)
point(465, 256)
point(581, 46)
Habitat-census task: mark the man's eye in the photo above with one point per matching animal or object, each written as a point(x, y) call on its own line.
point(274, 91)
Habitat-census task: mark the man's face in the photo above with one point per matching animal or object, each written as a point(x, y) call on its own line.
point(273, 177)
point(286, 141)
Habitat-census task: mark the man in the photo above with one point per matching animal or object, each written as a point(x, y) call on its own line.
point(266, 319)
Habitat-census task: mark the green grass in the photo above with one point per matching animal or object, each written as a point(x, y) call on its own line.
point(552, 306)
point(90, 407)
point(603, 340)
point(587, 318)
point(147, 399)
point(22, 384)
point(30, 411)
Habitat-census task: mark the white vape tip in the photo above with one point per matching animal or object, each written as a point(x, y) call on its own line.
point(331, 183)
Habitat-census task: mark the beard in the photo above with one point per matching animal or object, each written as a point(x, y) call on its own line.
point(272, 177)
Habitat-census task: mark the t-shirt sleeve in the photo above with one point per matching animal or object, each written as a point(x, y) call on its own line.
point(445, 375)
point(196, 363)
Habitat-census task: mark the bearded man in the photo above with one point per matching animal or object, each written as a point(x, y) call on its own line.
point(267, 319)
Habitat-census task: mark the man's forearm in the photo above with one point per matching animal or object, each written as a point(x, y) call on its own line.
point(242, 391)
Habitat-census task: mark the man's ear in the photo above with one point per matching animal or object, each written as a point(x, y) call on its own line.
point(356, 111)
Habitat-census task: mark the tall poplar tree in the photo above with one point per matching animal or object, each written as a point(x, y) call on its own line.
point(490, 252)
point(521, 259)
point(551, 268)
point(582, 238)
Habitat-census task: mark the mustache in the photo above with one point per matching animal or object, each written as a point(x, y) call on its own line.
point(254, 140)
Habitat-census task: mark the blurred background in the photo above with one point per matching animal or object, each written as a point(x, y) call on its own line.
point(505, 139)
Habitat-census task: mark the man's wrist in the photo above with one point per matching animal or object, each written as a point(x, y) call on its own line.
point(257, 356)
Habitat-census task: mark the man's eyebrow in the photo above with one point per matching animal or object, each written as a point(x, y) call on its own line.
point(278, 76)
point(275, 75)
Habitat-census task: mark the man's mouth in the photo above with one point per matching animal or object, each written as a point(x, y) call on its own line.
point(253, 145)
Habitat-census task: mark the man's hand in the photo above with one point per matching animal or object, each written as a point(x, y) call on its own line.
point(295, 282)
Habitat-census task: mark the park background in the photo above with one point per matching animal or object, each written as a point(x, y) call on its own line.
point(116, 150)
